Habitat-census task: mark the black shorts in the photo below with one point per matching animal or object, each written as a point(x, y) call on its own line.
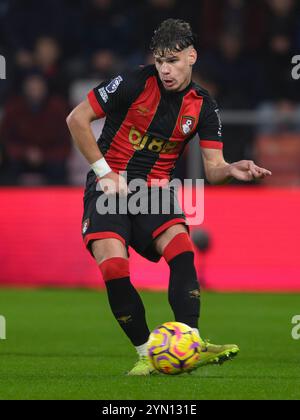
point(135, 230)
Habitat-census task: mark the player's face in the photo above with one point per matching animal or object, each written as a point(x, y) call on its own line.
point(175, 68)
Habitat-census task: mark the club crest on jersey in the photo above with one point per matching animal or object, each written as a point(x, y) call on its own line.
point(187, 124)
point(114, 84)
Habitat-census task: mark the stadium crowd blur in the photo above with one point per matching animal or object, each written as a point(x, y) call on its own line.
point(56, 50)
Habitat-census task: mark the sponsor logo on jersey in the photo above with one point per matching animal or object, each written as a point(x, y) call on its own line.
point(187, 124)
point(114, 84)
point(142, 141)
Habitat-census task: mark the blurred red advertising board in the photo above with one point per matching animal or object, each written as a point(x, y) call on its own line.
point(255, 241)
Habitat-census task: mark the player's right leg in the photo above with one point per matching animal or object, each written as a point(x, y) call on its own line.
point(124, 300)
point(107, 236)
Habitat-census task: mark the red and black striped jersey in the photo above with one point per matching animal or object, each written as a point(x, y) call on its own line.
point(147, 128)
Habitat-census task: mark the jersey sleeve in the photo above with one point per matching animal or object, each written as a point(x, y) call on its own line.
point(210, 125)
point(113, 95)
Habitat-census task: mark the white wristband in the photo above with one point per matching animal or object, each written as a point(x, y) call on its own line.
point(101, 168)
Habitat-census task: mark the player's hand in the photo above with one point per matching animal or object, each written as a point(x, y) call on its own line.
point(113, 183)
point(246, 170)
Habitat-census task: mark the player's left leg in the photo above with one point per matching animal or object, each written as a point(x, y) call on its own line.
point(175, 245)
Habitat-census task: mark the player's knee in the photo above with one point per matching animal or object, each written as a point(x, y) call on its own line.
point(168, 235)
point(106, 249)
point(178, 245)
point(114, 268)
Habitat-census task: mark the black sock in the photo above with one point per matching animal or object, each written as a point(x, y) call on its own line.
point(128, 309)
point(184, 289)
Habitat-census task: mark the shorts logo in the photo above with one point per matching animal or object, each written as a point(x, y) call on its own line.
point(114, 84)
point(187, 124)
point(85, 225)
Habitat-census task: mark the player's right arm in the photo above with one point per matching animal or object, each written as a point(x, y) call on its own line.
point(108, 98)
point(79, 123)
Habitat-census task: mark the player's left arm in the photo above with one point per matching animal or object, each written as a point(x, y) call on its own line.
point(217, 170)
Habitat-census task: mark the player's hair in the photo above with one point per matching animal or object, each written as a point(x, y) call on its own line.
point(173, 35)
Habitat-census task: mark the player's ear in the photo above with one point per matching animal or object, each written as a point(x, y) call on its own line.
point(192, 56)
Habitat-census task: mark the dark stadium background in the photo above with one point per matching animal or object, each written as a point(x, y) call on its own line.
point(56, 51)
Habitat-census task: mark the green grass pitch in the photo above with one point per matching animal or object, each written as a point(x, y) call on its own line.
point(64, 344)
